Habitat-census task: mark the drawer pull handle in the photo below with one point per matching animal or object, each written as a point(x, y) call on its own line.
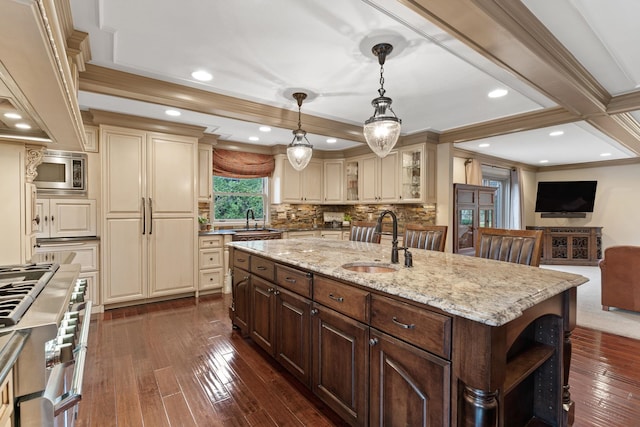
point(241, 260)
point(290, 280)
point(403, 325)
point(261, 267)
point(339, 299)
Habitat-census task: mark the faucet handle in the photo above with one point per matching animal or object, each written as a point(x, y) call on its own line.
point(408, 258)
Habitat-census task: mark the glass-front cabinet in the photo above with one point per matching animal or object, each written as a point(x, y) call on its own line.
point(351, 175)
point(412, 174)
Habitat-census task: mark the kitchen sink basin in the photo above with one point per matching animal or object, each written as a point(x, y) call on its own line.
point(256, 234)
point(369, 267)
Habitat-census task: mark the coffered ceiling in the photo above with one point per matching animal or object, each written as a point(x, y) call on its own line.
point(568, 65)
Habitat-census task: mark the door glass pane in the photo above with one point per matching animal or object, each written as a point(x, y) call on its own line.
point(465, 228)
point(411, 162)
point(485, 218)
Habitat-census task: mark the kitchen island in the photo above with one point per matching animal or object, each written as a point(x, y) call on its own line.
point(453, 340)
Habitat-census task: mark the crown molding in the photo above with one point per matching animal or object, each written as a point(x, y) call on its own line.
point(624, 103)
point(142, 123)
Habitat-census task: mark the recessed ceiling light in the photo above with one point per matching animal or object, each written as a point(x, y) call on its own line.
point(484, 145)
point(556, 133)
point(174, 113)
point(203, 76)
point(254, 138)
point(544, 161)
point(497, 93)
point(264, 129)
point(331, 140)
point(13, 116)
point(605, 154)
point(23, 126)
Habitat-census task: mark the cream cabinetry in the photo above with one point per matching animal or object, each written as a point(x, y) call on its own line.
point(334, 185)
point(205, 172)
point(211, 263)
point(303, 186)
point(6, 401)
point(300, 234)
point(87, 254)
point(65, 218)
point(331, 234)
point(378, 178)
point(149, 210)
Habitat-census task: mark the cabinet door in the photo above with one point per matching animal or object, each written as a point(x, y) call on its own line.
point(172, 188)
point(291, 183)
point(312, 182)
point(263, 320)
point(412, 170)
point(205, 172)
point(240, 305)
point(293, 334)
point(72, 217)
point(387, 178)
point(368, 177)
point(409, 386)
point(124, 254)
point(42, 221)
point(172, 261)
point(339, 353)
point(353, 181)
point(333, 181)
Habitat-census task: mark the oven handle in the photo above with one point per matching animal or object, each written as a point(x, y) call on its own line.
point(74, 395)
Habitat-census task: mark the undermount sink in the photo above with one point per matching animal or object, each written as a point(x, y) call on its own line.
point(369, 267)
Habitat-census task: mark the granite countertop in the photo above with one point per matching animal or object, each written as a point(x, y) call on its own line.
point(482, 290)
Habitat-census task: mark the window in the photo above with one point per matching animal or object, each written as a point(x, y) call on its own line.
point(234, 196)
point(499, 178)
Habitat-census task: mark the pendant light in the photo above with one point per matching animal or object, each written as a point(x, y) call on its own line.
point(382, 130)
point(300, 150)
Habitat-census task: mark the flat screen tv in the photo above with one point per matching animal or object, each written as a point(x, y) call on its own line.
point(566, 197)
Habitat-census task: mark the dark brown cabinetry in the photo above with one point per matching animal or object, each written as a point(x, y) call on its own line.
point(239, 311)
point(570, 245)
point(340, 363)
point(409, 386)
point(474, 206)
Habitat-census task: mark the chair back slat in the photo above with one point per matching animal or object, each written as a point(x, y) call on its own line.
point(430, 237)
point(517, 246)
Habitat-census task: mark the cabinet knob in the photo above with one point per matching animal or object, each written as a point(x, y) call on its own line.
point(373, 341)
point(314, 311)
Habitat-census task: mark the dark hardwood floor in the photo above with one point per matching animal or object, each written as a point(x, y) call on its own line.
point(179, 363)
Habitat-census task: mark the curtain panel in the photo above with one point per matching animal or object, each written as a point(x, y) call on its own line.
point(236, 164)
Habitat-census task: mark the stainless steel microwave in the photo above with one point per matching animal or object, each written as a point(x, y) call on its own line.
point(63, 173)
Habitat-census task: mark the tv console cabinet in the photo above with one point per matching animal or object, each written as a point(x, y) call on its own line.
point(570, 245)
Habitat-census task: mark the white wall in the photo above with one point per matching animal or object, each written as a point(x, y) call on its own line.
point(616, 206)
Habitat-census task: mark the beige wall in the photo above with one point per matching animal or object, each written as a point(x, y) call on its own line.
point(616, 206)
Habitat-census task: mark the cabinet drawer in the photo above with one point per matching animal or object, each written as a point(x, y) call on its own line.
point(294, 280)
point(241, 259)
point(211, 279)
point(263, 268)
point(211, 258)
point(347, 300)
point(86, 254)
point(211, 241)
point(425, 329)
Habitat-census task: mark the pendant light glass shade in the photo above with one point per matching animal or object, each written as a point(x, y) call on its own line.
point(381, 131)
point(299, 152)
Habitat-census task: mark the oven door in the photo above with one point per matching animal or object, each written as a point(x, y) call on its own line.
point(57, 405)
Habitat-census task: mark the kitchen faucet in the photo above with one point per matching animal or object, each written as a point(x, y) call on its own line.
point(408, 258)
point(252, 216)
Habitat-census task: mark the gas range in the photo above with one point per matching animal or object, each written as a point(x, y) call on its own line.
point(42, 310)
point(20, 285)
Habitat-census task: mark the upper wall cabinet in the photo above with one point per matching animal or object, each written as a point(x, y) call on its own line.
point(334, 183)
point(379, 178)
point(65, 218)
point(303, 186)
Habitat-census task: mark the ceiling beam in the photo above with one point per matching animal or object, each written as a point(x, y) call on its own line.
point(118, 83)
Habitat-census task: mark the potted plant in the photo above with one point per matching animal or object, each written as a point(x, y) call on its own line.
point(204, 223)
point(346, 220)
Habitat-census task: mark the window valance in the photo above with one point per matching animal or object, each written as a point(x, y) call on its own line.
point(236, 164)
